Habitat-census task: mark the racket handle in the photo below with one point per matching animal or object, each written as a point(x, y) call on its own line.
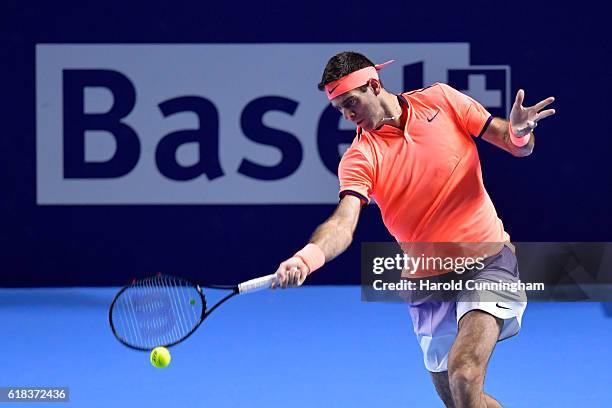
point(256, 284)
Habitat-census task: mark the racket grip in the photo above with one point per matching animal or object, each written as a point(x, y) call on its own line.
point(256, 284)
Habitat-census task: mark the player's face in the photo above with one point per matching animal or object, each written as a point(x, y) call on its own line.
point(361, 108)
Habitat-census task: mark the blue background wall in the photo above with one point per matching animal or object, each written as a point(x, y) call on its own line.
point(563, 192)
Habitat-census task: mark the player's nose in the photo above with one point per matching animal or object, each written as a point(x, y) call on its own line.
point(348, 114)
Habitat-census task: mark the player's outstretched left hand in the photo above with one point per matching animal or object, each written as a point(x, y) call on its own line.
point(524, 119)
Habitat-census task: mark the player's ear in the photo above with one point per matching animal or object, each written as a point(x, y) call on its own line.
point(375, 85)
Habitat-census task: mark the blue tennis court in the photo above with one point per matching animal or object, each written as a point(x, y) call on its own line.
point(312, 346)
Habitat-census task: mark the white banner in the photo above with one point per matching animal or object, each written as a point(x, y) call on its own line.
point(211, 123)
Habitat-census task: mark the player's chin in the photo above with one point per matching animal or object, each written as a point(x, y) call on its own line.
point(364, 124)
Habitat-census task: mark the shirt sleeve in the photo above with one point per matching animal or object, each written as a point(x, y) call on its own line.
point(356, 174)
point(474, 118)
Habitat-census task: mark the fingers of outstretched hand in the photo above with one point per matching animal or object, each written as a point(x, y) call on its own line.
point(544, 114)
point(542, 104)
point(520, 97)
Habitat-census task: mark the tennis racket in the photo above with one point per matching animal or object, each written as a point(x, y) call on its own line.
point(164, 310)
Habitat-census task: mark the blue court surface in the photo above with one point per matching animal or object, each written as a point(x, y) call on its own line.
point(312, 346)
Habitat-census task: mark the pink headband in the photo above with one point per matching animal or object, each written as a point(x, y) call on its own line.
point(353, 80)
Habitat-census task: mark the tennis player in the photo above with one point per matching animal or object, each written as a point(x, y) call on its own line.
point(415, 154)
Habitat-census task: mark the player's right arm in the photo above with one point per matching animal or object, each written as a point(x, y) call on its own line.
point(332, 237)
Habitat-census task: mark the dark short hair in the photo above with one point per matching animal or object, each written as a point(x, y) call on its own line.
point(341, 65)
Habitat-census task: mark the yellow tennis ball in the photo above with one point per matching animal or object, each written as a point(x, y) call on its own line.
point(160, 357)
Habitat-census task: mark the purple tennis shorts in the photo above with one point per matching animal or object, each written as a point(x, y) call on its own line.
point(488, 289)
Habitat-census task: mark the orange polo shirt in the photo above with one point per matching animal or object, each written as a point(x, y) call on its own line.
point(426, 178)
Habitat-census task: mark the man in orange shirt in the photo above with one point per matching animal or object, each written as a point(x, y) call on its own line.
point(415, 154)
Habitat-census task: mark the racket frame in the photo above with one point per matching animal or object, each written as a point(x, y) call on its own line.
point(203, 313)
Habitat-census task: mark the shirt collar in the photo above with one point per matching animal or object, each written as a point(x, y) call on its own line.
point(403, 103)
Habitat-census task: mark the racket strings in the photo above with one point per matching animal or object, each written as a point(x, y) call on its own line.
point(161, 310)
